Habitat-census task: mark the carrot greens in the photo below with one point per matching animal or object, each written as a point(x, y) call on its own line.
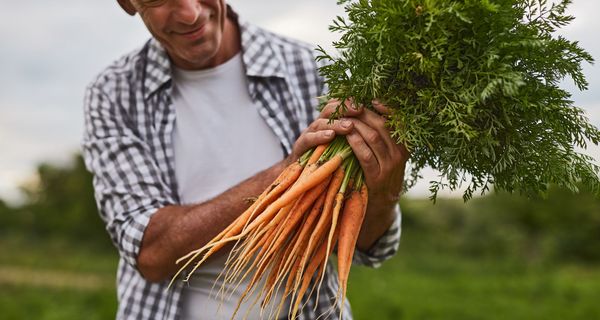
point(474, 87)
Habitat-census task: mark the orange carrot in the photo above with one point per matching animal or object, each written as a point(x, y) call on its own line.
point(324, 222)
point(238, 222)
point(315, 263)
point(350, 224)
point(292, 172)
point(303, 185)
point(302, 240)
point(290, 259)
point(317, 152)
point(302, 205)
point(339, 200)
point(289, 175)
point(270, 213)
point(248, 251)
point(272, 279)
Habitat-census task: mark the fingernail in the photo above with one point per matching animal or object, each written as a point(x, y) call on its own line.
point(329, 133)
point(346, 123)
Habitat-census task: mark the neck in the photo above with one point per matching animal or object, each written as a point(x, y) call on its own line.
point(231, 43)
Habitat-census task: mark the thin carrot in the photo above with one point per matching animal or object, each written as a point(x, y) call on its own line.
point(290, 259)
point(350, 224)
point(260, 271)
point(272, 279)
point(315, 263)
point(293, 171)
point(282, 182)
point(317, 152)
point(257, 263)
point(348, 176)
point(324, 221)
point(302, 206)
point(302, 240)
point(303, 185)
point(339, 200)
point(270, 213)
point(247, 253)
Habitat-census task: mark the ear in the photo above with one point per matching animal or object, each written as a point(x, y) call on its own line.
point(127, 6)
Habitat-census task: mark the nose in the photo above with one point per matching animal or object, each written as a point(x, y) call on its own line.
point(187, 11)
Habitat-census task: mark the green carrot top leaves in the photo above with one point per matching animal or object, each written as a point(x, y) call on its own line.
point(474, 87)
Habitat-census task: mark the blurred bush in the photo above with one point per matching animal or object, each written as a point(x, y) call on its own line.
point(562, 227)
point(60, 205)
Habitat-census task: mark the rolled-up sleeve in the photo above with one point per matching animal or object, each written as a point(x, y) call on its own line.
point(127, 181)
point(384, 248)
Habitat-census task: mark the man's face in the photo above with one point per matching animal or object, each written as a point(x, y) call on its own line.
point(190, 30)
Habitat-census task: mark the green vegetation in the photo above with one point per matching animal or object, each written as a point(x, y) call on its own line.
point(27, 302)
point(446, 286)
point(496, 257)
point(474, 87)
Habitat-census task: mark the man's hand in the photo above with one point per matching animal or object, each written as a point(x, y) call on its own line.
point(322, 131)
point(383, 162)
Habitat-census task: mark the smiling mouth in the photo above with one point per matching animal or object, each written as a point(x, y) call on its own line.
point(193, 34)
point(198, 31)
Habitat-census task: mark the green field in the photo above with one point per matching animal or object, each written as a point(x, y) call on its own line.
point(496, 257)
point(428, 285)
point(53, 280)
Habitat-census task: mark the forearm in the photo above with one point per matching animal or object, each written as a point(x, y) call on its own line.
point(174, 231)
point(378, 220)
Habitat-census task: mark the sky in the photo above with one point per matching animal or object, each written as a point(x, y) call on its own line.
point(50, 50)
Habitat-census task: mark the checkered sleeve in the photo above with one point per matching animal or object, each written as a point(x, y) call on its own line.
point(127, 183)
point(384, 248)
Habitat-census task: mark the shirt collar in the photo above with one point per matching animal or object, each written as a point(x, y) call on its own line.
point(258, 56)
point(157, 71)
point(260, 59)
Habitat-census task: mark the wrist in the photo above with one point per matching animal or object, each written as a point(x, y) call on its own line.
point(378, 219)
point(384, 204)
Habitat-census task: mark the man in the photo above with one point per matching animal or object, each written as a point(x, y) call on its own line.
point(206, 114)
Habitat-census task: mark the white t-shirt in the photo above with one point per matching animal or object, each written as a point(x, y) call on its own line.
point(219, 140)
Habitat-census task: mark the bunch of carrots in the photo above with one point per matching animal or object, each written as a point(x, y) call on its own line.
point(286, 236)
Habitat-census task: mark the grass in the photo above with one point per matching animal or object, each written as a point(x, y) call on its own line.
point(55, 280)
point(438, 285)
point(33, 302)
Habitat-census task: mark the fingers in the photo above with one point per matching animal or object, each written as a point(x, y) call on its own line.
point(369, 144)
point(311, 139)
point(321, 131)
point(366, 157)
point(377, 122)
point(365, 129)
point(378, 154)
point(341, 127)
point(381, 108)
point(351, 109)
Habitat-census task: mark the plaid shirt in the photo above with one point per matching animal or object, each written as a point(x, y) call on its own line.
point(128, 146)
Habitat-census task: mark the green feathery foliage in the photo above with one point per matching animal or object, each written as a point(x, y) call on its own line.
point(474, 89)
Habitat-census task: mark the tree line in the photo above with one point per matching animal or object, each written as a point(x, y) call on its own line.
point(562, 227)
